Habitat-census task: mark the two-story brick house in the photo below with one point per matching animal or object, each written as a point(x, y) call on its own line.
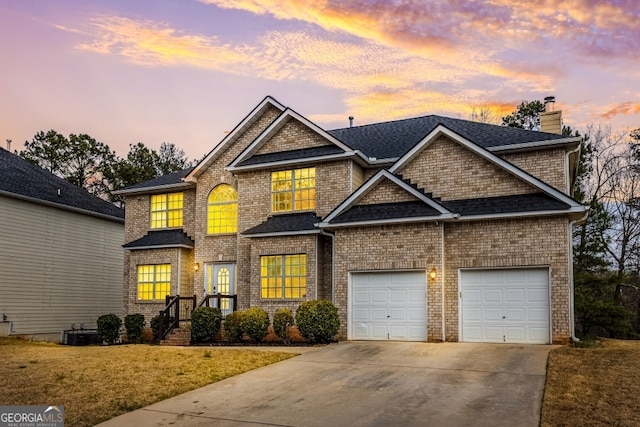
point(425, 229)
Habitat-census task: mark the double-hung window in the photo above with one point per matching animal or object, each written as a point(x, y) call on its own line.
point(154, 282)
point(166, 210)
point(293, 190)
point(283, 276)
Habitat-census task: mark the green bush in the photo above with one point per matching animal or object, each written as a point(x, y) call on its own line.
point(255, 323)
point(282, 323)
point(134, 324)
point(233, 329)
point(155, 327)
point(109, 328)
point(318, 320)
point(205, 324)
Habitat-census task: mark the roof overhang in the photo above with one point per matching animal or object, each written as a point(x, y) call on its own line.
point(156, 189)
point(536, 145)
point(282, 233)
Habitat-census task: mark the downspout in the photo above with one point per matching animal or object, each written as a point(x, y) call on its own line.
point(444, 335)
point(333, 264)
point(179, 270)
point(566, 168)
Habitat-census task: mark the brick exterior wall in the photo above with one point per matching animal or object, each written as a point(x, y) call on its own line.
point(181, 261)
point(525, 242)
point(451, 171)
point(293, 135)
point(385, 192)
point(308, 245)
point(384, 248)
point(546, 165)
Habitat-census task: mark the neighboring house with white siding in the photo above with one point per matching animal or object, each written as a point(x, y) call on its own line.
point(61, 254)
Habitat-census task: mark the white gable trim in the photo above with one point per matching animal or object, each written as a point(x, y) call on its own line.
point(231, 136)
point(277, 125)
point(369, 185)
point(498, 161)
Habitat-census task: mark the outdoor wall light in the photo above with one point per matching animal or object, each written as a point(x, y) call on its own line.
point(433, 273)
point(196, 266)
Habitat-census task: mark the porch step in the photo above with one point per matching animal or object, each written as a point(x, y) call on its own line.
point(177, 336)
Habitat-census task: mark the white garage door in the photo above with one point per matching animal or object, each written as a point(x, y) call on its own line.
point(509, 306)
point(388, 306)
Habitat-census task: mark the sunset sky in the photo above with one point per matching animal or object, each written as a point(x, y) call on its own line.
point(186, 71)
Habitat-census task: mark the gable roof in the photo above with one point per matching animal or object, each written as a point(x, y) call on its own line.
point(487, 155)
point(252, 117)
point(391, 140)
point(22, 179)
point(425, 208)
point(247, 159)
point(172, 181)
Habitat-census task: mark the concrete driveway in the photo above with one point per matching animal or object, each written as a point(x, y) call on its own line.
point(370, 384)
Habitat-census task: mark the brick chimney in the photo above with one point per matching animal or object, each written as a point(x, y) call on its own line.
point(550, 120)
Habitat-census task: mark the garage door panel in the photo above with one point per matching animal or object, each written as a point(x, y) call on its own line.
point(389, 305)
point(379, 296)
point(492, 314)
point(516, 314)
point(505, 305)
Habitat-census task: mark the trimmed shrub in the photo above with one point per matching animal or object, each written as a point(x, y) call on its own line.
point(205, 324)
point(255, 322)
point(318, 321)
point(109, 328)
point(282, 323)
point(134, 324)
point(233, 326)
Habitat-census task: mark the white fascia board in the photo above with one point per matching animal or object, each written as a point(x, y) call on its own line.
point(522, 214)
point(514, 170)
point(444, 217)
point(282, 233)
point(139, 248)
point(248, 120)
point(156, 188)
point(536, 144)
point(275, 126)
point(302, 161)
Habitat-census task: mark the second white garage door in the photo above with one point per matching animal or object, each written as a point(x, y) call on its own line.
point(510, 305)
point(388, 306)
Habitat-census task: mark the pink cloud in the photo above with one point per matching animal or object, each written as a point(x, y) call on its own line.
point(621, 108)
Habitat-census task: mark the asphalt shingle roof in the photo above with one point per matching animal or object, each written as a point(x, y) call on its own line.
point(172, 178)
point(161, 238)
point(286, 223)
point(384, 211)
point(393, 139)
point(505, 204)
point(469, 207)
point(305, 153)
point(24, 179)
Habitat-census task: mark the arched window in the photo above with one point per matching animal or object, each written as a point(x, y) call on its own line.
point(222, 210)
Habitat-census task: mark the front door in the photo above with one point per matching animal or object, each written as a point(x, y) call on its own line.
point(220, 279)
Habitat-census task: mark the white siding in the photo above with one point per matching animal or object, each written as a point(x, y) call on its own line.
point(57, 267)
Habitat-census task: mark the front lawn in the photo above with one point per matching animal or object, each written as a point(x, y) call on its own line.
point(97, 383)
point(596, 386)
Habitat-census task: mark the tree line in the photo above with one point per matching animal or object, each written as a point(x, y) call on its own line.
point(92, 165)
